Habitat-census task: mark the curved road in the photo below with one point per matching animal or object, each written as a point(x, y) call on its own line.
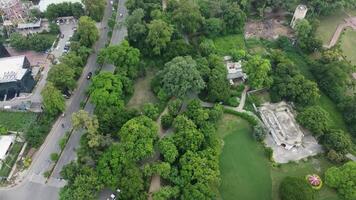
point(33, 185)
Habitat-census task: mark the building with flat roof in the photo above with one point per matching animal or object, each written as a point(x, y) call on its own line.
point(299, 13)
point(15, 77)
point(234, 70)
point(280, 121)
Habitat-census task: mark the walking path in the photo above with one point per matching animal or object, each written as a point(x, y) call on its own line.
point(348, 22)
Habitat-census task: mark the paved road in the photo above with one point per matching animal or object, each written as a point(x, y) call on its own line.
point(33, 186)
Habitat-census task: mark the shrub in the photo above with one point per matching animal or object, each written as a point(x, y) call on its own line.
point(151, 111)
point(259, 132)
point(232, 101)
point(335, 157)
point(269, 153)
point(54, 157)
point(166, 121)
point(292, 188)
point(315, 119)
point(336, 139)
point(244, 115)
point(174, 107)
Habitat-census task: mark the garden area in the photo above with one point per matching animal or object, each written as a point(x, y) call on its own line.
point(243, 166)
point(10, 159)
point(226, 43)
point(17, 121)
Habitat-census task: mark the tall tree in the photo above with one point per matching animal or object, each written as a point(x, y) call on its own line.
point(53, 101)
point(258, 70)
point(314, 118)
point(234, 17)
point(95, 8)
point(62, 77)
point(187, 16)
point(136, 26)
point(82, 120)
point(124, 57)
point(180, 76)
point(87, 31)
point(159, 34)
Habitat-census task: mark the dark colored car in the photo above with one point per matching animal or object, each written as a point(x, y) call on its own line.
point(89, 75)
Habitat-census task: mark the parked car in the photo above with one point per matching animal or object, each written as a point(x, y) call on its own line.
point(89, 75)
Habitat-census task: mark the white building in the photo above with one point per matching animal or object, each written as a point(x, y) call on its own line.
point(6, 142)
point(234, 70)
point(44, 3)
point(299, 13)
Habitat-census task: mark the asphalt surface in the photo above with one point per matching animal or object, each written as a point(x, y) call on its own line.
point(33, 185)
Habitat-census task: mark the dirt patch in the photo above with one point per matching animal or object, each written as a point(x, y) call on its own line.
point(267, 29)
point(143, 93)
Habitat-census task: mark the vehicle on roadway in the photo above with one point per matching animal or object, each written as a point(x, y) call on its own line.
point(89, 75)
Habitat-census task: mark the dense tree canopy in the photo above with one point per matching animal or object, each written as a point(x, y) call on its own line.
point(314, 118)
point(95, 8)
point(136, 26)
point(180, 76)
point(258, 70)
point(159, 34)
point(343, 179)
point(64, 9)
point(62, 76)
point(82, 120)
point(187, 17)
point(337, 139)
point(53, 101)
point(234, 18)
point(87, 31)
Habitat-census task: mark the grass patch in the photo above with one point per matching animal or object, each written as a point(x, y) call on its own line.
point(226, 43)
point(245, 172)
point(17, 121)
point(329, 23)
point(10, 159)
point(348, 44)
point(143, 93)
point(301, 169)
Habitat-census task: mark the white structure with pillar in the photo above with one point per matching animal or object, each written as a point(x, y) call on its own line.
point(299, 13)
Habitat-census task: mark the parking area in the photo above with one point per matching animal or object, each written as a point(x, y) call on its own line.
point(67, 26)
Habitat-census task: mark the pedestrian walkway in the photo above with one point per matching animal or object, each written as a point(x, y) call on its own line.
point(348, 23)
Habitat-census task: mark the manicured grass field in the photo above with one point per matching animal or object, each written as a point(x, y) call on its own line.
point(143, 93)
point(245, 172)
point(348, 44)
point(301, 169)
point(16, 121)
point(225, 44)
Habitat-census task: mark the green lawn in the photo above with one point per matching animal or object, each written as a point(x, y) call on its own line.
point(348, 44)
point(245, 172)
point(225, 44)
point(17, 121)
point(301, 169)
point(329, 23)
point(143, 93)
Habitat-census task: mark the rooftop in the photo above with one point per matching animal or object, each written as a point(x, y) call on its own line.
point(5, 143)
point(11, 68)
point(29, 25)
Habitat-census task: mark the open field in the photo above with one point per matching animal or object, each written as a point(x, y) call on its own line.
point(329, 23)
point(225, 44)
point(143, 93)
point(245, 172)
point(348, 45)
point(301, 169)
point(16, 121)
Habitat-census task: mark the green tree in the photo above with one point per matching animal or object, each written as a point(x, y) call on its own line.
point(180, 76)
point(73, 61)
point(337, 139)
point(175, 106)
point(82, 120)
point(233, 17)
point(19, 42)
point(106, 91)
point(136, 27)
point(168, 149)
point(207, 47)
point(159, 34)
point(306, 36)
point(187, 16)
point(218, 86)
point(166, 192)
point(87, 31)
point(258, 70)
point(62, 77)
point(292, 188)
point(124, 57)
point(314, 118)
point(53, 101)
point(213, 27)
point(187, 136)
point(95, 8)
point(151, 111)
point(138, 136)
point(343, 179)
